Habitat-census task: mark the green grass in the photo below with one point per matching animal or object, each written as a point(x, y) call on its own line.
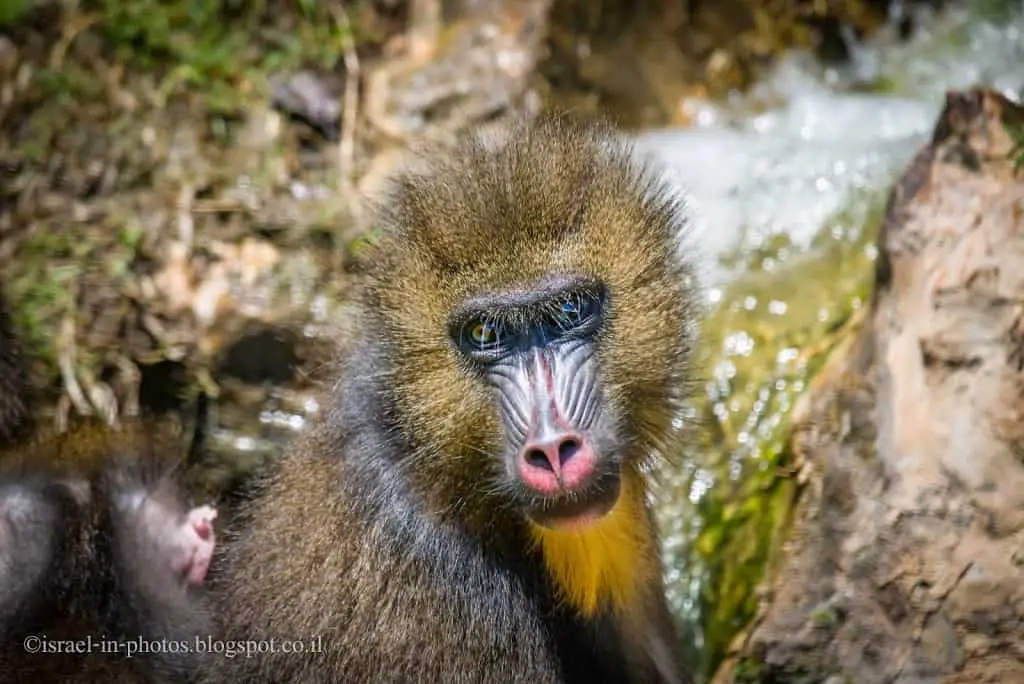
point(218, 46)
point(41, 292)
point(1016, 155)
point(12, 11)
point(221, 50)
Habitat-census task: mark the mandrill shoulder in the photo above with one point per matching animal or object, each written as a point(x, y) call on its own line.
point(339, 545)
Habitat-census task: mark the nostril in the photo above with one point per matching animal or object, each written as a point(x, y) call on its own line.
point(538, 459)
point(563, 462)
point(567, 449)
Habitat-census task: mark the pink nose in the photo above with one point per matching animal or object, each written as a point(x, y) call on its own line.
point(563, 462)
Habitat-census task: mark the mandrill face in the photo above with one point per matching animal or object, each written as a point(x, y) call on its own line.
point(537, 342)
point(537, 349)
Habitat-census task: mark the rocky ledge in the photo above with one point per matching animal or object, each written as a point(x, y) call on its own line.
point(905, 561)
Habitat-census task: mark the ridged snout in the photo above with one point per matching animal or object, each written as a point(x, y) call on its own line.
point(549, 400)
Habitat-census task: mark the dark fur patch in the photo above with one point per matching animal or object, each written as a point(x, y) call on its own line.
point(15, 412)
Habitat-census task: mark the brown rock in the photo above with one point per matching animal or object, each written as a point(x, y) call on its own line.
point(481, 70)
point(924, 571)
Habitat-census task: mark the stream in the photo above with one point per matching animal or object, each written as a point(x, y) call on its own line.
point(787, 184)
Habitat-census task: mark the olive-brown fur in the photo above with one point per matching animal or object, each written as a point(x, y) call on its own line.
point(383, 530)
point(560, 199)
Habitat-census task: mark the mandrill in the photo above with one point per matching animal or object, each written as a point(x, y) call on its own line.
point(473, 505)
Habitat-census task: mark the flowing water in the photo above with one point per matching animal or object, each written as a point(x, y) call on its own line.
point(786, 185)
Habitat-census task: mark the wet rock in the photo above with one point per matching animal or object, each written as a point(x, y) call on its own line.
point(266, 355)
point(638, 62)
point(163, 387)
point(922, 565)
point(481, 69)
point(310, 97)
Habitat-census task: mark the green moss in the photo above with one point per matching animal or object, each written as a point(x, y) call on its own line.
point(1016, 156)
point(748, 671)
point(751, 671)
point(68, 84)
point(995, 11)
point(825, 617)
point(769, 335)
point(41, 294)
point(360, 244)
point(12, 11)
point(219, 41)
point(129, 235)
point(50, 265)
point(218, 51)
point(121, 256)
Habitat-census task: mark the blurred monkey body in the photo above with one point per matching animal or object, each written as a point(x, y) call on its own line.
point(97, 544)
point(97, 547)
point(473, 504)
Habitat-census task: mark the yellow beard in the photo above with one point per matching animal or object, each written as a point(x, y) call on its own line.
point(607, 563)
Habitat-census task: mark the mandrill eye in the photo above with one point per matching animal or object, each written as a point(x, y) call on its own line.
point(482, 334)
point(574, 310)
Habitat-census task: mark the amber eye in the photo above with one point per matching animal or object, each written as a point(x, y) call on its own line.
point(483, 334)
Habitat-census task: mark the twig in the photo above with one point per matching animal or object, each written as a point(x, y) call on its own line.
point(132, 379)
point(69, 32)
point(85, 393)
point(424, 26)
point(349, 110)
point(186, 224)
point(66, 360)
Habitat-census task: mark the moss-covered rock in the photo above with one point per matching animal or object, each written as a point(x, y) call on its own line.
point(902, 564)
